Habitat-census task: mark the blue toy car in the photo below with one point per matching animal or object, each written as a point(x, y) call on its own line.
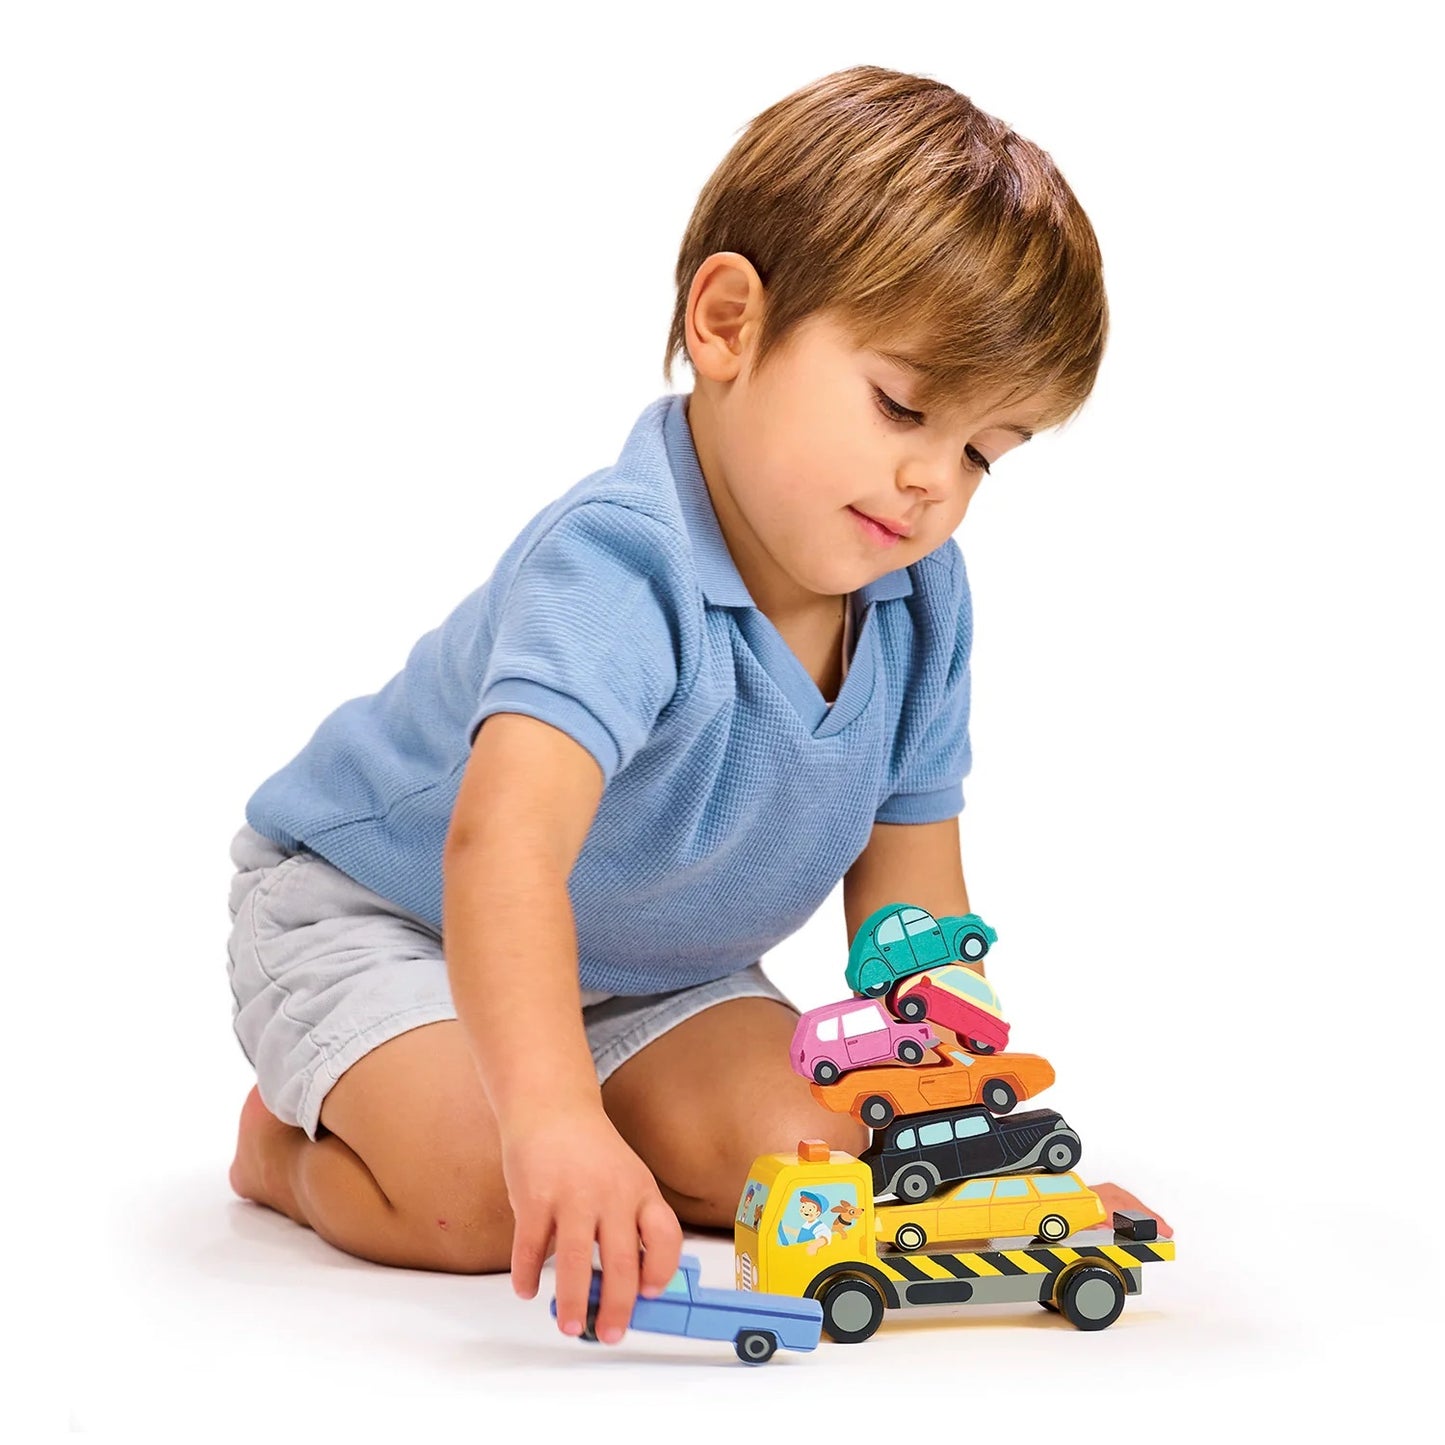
point(757, 1324)
point(898, 940)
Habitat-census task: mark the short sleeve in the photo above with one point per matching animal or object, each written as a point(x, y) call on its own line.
point(584, 635)
point(933, 750)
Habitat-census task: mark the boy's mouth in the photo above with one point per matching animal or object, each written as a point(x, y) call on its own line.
point(883, 534)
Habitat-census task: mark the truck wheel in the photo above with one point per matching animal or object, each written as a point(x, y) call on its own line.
point(912, 1008)
point(755, 1347)
point(910, 1237)
point(852, 1311)
point(1053, 1227)
point(910, 1051)
point(1061, 1155)
point(999, 1096)
point(825, 1071)
point(977, 1046)
point(1091, 1297)
point(877, 1112)
point(915, 1184)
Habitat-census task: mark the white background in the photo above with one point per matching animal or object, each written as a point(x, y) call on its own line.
point(307, 308)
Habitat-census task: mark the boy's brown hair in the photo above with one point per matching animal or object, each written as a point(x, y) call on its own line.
point(922, 223)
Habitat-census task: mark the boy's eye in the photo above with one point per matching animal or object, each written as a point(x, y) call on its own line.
point(978, 459)
point(893, 411)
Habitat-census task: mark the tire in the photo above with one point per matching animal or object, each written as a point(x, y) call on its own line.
point(852, 1310)
point(1049, 1305)
point(999, 1096)
point(1053, 1227)
point(977, 1046)
point(910, 1237)
point(1091, 1297)
point(915, 1184)
point(971, 946)
point(755, 1347)
point(910, 1051)
point(1060, 1155)
point(877, 1112)
point(825, 1071)
point(589, 1329)
point(874, 980)
point(912, 1010)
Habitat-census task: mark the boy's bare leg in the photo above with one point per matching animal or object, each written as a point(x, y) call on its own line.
point(409, 1171)
point(703, 1101)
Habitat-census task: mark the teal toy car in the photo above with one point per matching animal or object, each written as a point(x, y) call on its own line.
point(899, 940)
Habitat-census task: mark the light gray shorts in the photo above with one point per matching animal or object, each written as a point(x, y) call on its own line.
point(324, 970)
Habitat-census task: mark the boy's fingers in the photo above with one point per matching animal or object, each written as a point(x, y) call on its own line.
point(661, 1243)
point(572, 1262)
point(529, 1254)
point(617, 1242)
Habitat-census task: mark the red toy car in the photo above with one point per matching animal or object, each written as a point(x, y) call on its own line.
point(959, 999)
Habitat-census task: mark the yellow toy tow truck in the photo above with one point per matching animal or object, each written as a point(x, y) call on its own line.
point(806, 1226)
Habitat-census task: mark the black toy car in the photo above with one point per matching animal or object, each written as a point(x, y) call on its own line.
point(919, 1153)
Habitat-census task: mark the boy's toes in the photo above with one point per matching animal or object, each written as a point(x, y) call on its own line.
point(257, 1138)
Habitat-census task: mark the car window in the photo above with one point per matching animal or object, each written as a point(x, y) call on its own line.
point(750, 1206)
point(1056, 1184)
point(677, 1284)
point(970, 1128)
point(904, 1139)
point(975, 1189)
point(1011, 1189)
point(863, 1021)
point(938, 1133)
point(890, 930)
point(828, 1031)
point(918, 922)
point(966, 981)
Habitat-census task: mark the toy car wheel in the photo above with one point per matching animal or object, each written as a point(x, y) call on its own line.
point(755, 1347)
point(971, 946)
point(910, 1051)
point(825, 1071)
point(874, 979)
point(1060, 1155)
point(915, 1184)
point(1091, 1297)
point(977, 1046)
point(589, 1329)
point(912, 1008)
point(999, 1096)
point(1049, 1305)
point(911, 1236)
point(852, 1310)
point(877, 1112)
point(1053, 1227)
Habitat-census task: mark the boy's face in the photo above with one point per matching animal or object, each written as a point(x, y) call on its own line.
point(833, 472)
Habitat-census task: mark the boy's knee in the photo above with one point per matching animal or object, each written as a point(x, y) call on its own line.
point(458, 1217)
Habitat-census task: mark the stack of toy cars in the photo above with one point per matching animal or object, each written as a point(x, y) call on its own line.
point(946, 1144)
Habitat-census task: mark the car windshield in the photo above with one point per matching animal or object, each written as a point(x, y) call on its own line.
point(968, 983)
point(677, 1284)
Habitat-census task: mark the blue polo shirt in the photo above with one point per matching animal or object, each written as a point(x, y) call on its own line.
point(736, 797)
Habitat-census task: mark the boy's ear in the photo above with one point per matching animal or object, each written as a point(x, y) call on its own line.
point(724, 313)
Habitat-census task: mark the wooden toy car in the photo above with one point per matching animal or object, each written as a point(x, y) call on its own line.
point(919, 1153)
point(1043, 1206)
point(876, 1096)
point(898, 940)
point(778, 1246)
point(757, 1324)
point(831, 1040)
point(960, 999)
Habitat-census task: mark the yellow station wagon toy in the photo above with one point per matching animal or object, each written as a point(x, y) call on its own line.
point(1042, 1206)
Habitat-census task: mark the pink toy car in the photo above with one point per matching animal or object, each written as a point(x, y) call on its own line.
point(848, 1035)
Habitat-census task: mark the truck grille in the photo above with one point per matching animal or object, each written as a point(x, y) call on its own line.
point(746, 1278)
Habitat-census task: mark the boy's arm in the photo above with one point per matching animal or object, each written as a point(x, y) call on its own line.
point(906, 863)
point(525, 805)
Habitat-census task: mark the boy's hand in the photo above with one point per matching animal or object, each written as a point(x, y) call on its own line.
point(1112, 1198)
point(573, 1179)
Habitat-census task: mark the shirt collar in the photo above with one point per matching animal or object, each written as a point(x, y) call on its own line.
point(722, 583)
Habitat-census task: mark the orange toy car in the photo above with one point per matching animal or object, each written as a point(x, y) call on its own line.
point(876, 1096)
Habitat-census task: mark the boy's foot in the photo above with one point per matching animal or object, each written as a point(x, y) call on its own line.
point(264, 1146)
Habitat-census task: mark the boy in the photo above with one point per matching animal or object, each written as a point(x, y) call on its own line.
point(699, 688)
